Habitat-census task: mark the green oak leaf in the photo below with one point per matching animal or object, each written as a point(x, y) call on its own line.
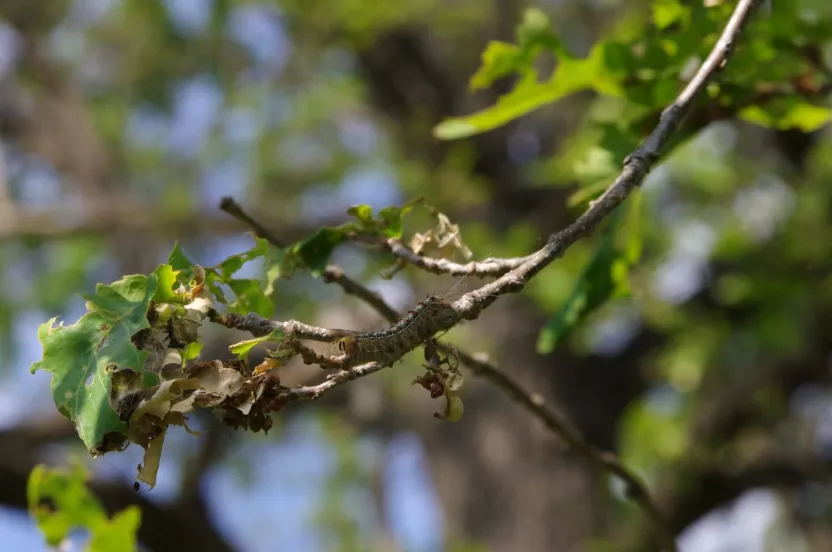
point(788, 112)
point(177, 259)
point(392, 218)
point(364, 214)
point(80, 356)
point(250, 297)
point(274, 269)
point(213, 280)
point(167, 283)
point(243, 348)
point(598, 72)
point(59, 501)
point(232, 264)
point(191, 351)
point(499, 59)
point(668, 12)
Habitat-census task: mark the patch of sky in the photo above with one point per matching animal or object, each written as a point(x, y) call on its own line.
point(763, 206)
point(39, 184)
point(241, 126)
point(23, 394)
point(190, 17)
point(813, 403)
point(358, 135)
point(523, 146)
point(66, 44)
point(9, 48)
point(20, 532)
point(243, 496)
point(86, 12)
point(742, 526)
point(610, 335)
point(227, 178)
point(260, 31)
point(412, 508)
point(147, 127)
point(686, 268)
point(197, 103)
point(372, 186)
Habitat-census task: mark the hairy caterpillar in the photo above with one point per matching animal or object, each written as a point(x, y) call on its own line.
point(390, 344)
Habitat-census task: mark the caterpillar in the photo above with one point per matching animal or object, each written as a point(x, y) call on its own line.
point(390, 344)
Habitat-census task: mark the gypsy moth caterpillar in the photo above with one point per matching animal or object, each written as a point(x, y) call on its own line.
point(390, 344)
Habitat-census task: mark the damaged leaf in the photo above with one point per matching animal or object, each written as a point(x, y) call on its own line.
point(442, 241)
point(81, 356)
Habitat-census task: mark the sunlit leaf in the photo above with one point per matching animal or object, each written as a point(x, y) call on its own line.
point(60, 502)
point(243, 348)
point(667, 12)
point(80, 356)
point(788, 112)
point(167, 284)
point(498, 60)
point(570, 76)
point(364, 214)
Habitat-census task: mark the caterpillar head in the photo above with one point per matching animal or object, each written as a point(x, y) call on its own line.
point(347, 345)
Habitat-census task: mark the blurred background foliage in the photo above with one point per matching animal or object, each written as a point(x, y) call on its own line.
point(693, 337)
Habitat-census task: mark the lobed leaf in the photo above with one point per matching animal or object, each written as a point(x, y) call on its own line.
point(81, 356)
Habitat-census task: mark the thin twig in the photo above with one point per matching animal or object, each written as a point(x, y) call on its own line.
point(335, 275)
point(486, 267)
point(635, 489)
point(313, 392)
point(258, 326)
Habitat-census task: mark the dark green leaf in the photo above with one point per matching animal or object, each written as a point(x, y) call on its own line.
point(595, 286)
point(315, 251)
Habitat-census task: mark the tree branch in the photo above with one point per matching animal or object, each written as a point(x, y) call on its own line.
point(532, 402)
point(470, 306)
